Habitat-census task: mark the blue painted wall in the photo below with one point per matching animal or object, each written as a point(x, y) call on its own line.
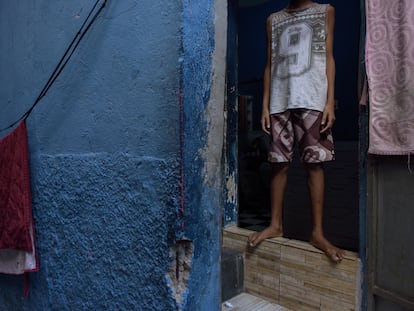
point(202, 223)
point(109, 152)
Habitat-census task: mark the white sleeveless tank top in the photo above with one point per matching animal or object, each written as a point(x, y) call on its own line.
point(298, 60)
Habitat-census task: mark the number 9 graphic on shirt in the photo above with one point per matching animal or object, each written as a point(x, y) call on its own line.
point(295, 48)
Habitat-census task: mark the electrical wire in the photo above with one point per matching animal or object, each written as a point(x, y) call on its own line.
point(89, 20)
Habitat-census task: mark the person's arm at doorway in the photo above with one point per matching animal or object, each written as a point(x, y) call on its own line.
point(328, 118)
point(265, 119)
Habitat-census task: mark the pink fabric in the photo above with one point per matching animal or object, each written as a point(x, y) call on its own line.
point(390, 71)
point(17, 239)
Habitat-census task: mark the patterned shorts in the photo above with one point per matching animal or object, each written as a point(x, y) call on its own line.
point(301, 126)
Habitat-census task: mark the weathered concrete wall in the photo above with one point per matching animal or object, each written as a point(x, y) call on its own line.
point(204, 50)
point(108, 151)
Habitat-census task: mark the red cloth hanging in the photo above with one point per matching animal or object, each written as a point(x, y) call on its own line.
point(17, 238)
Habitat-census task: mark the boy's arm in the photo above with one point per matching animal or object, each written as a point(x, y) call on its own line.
point(329, 111)
point(265, 119)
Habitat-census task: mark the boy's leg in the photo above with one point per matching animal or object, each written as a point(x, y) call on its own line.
point(316, 149)
point(280, 155)
point(316, 186)
point(277, 190)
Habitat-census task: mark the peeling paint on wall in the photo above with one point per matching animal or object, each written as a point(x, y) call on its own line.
point(203, 86)
point(215, 109)
point(181, 255)
point(231, 190)
point(231, 199)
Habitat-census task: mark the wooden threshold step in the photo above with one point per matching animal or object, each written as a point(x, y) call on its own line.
point(248, 302)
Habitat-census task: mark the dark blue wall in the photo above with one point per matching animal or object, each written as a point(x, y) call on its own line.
point(109, 153)
point(202, 188)
point(252, 58)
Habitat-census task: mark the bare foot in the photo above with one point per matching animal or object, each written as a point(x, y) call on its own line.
point(269, 232)
point(334, 253)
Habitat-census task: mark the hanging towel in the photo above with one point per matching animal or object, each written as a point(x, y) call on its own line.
point(390, 71)
point(17, 234)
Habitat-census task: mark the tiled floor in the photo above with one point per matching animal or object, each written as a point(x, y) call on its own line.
point(341, 213)
point(247, 302)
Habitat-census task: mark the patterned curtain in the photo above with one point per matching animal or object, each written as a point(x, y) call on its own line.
point(390, 73)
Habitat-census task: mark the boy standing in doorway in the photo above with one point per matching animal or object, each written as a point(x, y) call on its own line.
point(298, 107)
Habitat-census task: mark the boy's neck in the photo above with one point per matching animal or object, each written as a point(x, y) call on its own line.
point(299, 4)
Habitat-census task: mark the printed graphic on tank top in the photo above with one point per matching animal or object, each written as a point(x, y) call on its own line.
point(298, 59)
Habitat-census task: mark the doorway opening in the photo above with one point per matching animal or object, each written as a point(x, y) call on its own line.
point(246, 62)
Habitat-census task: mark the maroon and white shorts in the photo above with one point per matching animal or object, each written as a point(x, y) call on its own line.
point(302, 127)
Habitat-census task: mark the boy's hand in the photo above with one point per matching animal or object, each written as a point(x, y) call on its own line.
point(328, 118)
point(265, 121)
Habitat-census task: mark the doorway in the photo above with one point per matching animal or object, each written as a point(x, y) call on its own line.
point(250, 165)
